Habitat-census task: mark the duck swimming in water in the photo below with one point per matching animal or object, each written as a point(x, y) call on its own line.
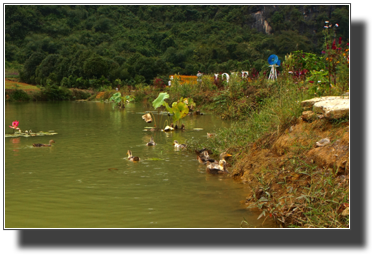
point(223, 156)
point(204, 157)
point(44, 145)
point(217, 167)
point(177, 145)
point(131, 157)
point(151, 142)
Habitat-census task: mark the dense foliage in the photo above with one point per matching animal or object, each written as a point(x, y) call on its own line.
point(95, 45)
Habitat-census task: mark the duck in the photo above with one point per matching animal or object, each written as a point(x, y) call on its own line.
point(203, 156)
point(151, 142)
point(169, 128)
point(222, 156)
point(215, 168)
point(30, 133)
point(131, 157)
point(178, 145)
point(44, 145)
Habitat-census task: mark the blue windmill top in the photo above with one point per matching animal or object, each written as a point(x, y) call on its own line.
point(273, 59)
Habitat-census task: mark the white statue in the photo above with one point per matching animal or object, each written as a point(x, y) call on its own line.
point(227, 76)
point(245, 74)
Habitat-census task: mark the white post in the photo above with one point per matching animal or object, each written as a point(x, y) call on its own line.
point(273, 72)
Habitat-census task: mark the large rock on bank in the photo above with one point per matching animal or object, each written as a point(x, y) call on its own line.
point(333, 107)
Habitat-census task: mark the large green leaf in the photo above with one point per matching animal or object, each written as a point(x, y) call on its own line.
point(159, 100)
point(116, 97)
point(178, 109)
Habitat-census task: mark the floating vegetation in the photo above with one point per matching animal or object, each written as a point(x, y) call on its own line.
point(154, 159)
point(30, 134)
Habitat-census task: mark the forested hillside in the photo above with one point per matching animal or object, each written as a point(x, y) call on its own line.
point(90, 45)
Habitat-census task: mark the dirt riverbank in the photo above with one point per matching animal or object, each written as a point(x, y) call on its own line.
point(296, 182)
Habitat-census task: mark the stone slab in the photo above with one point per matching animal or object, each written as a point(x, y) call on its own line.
point(333, 107)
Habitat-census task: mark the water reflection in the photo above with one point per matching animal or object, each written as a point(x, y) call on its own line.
point(85, 180)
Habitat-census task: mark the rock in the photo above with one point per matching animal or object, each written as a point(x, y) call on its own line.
point(308, 115)
point(333, 107)
point(323, 142)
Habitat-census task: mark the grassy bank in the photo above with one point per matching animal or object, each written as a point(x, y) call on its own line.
point(273, 149)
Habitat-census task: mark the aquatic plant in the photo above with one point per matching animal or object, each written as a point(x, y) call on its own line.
point(15, 125)
point(120, 100)
point(178, 109)
point(159, 102)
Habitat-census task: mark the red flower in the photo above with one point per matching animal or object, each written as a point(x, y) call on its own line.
point(339, 40)
point(334, 44)
point(15, 124)
point(311, 81)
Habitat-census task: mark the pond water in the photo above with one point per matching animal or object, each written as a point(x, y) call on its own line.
point(85, 180)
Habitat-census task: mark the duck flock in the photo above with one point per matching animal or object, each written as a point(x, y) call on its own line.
point(203, 157)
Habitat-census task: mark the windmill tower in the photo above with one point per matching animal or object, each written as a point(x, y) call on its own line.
point(274, 63)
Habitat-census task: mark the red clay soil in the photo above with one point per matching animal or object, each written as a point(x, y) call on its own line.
point(295, 160)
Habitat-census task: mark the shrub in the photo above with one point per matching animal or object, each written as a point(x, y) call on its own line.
point(54, 92)
point(19, 95)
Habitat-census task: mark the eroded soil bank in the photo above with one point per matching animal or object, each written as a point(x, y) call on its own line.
point(297, 183)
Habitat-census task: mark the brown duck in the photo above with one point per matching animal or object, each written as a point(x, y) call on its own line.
point(151, 142)
point(131, 157)
point(44, 145)
point(216, 168)
point(179, 145)
point(203, 156)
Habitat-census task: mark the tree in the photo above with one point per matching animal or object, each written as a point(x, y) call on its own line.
point(95, 66)
point(30, 66)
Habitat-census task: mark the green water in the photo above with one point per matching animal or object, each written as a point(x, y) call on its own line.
point(86, 181)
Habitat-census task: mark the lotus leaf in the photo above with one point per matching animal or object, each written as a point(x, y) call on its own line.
point(178, 109)
point(159, 100)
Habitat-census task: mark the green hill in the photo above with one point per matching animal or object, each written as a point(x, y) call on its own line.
point(91, 45)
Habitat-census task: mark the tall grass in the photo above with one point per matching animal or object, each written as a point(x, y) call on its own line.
point(278, 111)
